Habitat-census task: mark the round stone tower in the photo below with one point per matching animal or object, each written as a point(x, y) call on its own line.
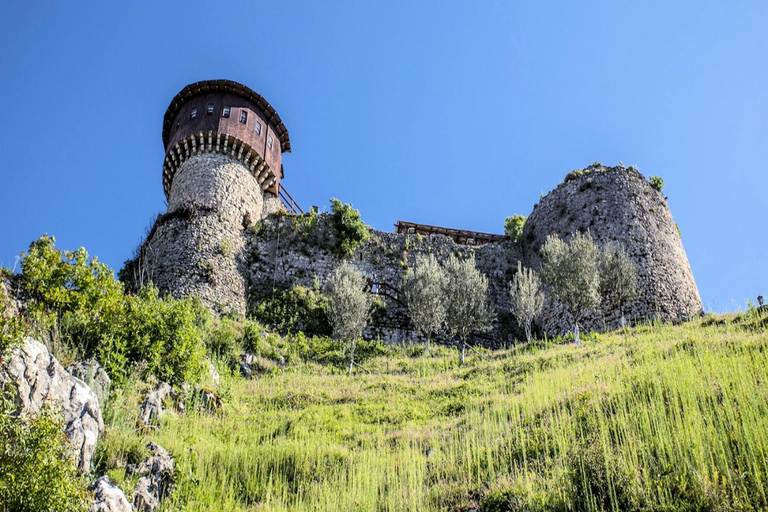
point(618, 205)
point(222, 172)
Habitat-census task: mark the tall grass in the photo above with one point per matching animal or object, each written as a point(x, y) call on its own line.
point(664, 418)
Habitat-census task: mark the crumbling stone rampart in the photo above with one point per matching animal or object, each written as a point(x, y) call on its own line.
point(212, 244)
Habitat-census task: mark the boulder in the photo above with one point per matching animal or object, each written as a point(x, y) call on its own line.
point(252, 365)
point(40, 378)
point(156, 480)
point(108, 497)
point(92, 373)
point(152, 406)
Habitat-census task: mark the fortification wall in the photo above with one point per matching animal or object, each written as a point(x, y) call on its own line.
point(202, 247)
point(197, 248)
point(618, 205)
point(283, 253)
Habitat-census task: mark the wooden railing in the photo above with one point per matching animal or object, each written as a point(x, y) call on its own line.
point(290, 203)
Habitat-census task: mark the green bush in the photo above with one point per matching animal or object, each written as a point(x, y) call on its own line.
point(350, 230)
point(37, 471)
point(12, 326)
point(76, 301)
point(656, 182)
point(166, 334)
point(513, 227)
point(291, 311)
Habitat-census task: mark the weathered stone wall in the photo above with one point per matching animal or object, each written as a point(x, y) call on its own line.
point(197, 247)
point(618, 205)
point(202, 247)
point(284, 253)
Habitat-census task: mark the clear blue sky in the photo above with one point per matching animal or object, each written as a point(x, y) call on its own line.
point(449, 113)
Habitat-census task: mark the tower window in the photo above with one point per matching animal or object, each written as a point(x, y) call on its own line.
point(226, 111)
point(209, 110)
point(269, 142)
point(243, 116)
point(193, 113)
point(258, 128)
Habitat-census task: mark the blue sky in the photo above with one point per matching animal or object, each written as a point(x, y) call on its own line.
point(450, 113)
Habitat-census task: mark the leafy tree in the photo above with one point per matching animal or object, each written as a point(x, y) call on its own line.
point(37, 470)
point(527, 297)
point(466, 307)
point(74, 295)
point(349, 306)
point(423, 294)
point(350, 230)
point(513, 227)
point(618, 276)
point(570, 269)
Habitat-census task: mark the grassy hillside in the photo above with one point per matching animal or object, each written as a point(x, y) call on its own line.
point(662, 418)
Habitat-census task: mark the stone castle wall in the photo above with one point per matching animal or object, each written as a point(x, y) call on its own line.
point(201, 246)
point(618, 205)
point(197, 248)
point(282, 253)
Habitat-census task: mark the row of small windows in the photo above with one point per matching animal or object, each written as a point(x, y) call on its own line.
point(226, 111)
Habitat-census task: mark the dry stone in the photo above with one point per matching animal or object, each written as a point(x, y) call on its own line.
point(40, 378)
point(156, 479)
point(108, 497)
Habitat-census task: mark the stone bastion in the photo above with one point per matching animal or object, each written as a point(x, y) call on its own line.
point(214, 243)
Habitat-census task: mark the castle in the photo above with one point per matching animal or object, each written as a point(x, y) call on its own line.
point(223, 239)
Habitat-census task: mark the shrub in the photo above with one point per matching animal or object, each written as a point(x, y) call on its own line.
point(291, 311)
point(513, 227)
point(350, 230)
point(37, 470)
point(12, 326)
point(656, 182)
point(166, 334)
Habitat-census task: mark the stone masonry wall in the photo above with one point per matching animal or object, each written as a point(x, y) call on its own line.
point(202, 247)
point(618, 205)
point(285, 254)
point(197, 248)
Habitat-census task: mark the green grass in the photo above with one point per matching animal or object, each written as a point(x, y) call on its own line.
point(664, 418)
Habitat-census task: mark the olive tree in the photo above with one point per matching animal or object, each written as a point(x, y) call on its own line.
point(349, 306)
point(423, 296)
point(526, 297)
point(618, 277)
point(570, 269)
point(466, 306)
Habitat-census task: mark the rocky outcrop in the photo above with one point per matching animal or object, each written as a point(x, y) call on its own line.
point(92, 373)
point(153, 404)
point(108, 497)
point(39, 378)
point(252, 365)
point(156, 479)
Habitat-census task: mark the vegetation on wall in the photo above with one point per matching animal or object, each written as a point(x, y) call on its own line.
point(290, 311)
point(656, 182)
point(513, 227)
point(350, 230)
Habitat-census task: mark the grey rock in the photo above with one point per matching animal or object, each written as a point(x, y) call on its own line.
point(156, 480)
point(39, 379)
point(108, 497)
point(214, 374)
point(153, 405)
point(252, 365)
point(92, 373)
